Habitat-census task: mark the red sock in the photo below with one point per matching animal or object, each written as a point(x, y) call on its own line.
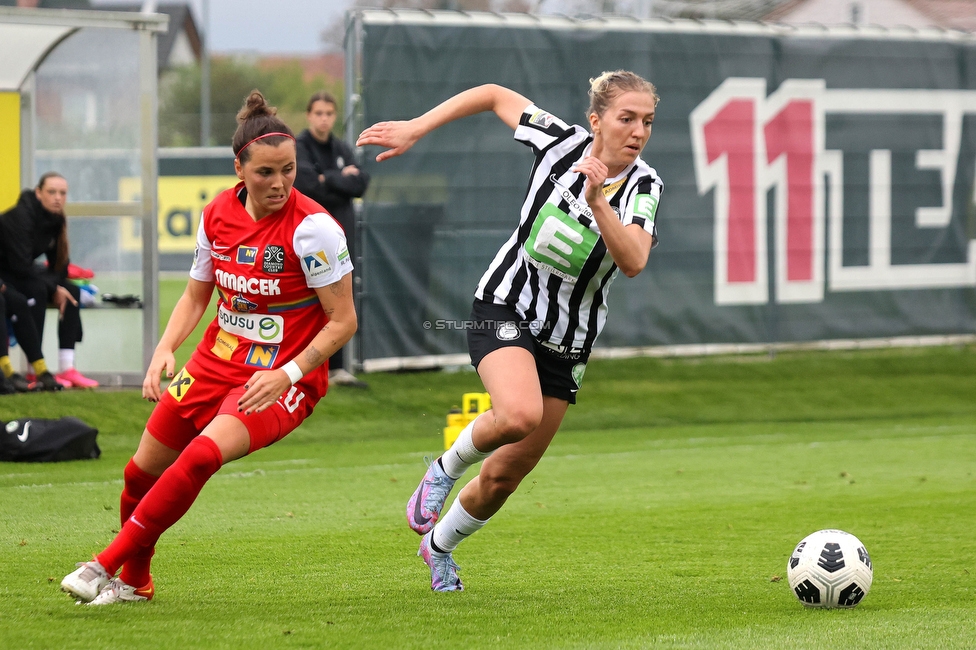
point(164, 504)
point(135, 571)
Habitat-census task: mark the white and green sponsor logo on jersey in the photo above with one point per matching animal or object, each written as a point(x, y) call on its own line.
point(559, 244)
point(578, 371)
point(645, 205)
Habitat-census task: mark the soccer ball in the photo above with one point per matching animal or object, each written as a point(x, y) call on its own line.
point(830, 568)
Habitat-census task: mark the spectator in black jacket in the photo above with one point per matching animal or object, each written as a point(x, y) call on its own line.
point(328, 174)
point(36, 226)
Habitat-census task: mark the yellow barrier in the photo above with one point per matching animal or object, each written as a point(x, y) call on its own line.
point(9, 149)
point(472, 405)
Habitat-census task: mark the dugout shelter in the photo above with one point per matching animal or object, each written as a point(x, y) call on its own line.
point(78, 95)
point(819, 182)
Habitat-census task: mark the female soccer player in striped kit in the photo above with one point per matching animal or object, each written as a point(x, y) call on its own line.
point(283, 274)
point(589, 212)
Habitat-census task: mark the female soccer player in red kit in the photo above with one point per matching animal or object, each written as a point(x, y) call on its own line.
point(283, 274)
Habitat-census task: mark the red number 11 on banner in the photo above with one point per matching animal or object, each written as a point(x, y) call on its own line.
point(745, 144)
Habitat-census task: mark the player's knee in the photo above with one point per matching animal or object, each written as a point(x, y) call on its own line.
point(501, 478)
point(201, 457)
point(499, 486)
point(514, 424)
point(16, 304)
point(152, 457)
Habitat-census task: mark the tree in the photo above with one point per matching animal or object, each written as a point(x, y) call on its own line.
point(231, 80)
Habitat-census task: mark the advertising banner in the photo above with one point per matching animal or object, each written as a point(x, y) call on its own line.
point(818, 185)
point(181, 202)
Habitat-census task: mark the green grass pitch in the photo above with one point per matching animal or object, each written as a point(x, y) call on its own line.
point(662, 516)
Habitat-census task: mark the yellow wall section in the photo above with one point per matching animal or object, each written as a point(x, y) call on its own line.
point(181, 200)
point(9, 149)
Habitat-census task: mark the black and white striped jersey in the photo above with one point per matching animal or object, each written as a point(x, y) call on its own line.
point(555, 270)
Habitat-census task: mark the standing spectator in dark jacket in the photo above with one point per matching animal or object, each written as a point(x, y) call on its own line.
point(36, 226)
point(328, 174)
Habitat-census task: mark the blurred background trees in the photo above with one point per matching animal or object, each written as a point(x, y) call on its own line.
point(285, 82)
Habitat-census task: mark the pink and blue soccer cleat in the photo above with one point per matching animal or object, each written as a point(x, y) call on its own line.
point(443, 568)
point(424, 507)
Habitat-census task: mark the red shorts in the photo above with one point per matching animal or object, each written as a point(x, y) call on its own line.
point(195, 397)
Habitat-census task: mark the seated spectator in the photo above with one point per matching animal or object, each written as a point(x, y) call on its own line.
point(36, 226)
point(14, 306)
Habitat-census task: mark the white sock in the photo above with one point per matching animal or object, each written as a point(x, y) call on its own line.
point(454, 527)
point(462, 454)
point(66, 359)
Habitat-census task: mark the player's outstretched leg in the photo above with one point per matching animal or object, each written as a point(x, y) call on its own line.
point(484, 495)
point(137, 483)
point(85, 582)
point(443, 568)
point(437, 546)
point(117, 591)
point(424, 507)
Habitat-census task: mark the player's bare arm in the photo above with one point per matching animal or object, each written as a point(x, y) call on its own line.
point(398, 137)
point(313, 356)
point(186, 315)
point(265, 387)
point(629, 246)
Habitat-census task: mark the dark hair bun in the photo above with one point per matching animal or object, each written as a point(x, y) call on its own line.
point(255, 106)
point(256, 119)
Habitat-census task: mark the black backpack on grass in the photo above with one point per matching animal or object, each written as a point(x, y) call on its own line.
point(36, 440)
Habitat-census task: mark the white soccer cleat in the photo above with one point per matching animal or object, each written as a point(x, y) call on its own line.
point(85, 582)
point(117, 591)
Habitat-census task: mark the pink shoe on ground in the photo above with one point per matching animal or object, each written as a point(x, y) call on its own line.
point(74, 379)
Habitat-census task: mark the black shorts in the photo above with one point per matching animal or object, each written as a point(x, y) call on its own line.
point(499, 326)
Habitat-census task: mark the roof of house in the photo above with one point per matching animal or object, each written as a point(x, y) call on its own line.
point(947, 14)
point(783, 10)
point(180, 18)
point(329, 65)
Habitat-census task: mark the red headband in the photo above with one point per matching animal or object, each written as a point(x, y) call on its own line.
point(266, 135)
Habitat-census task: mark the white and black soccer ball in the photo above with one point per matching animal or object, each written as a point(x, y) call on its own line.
point(830, 568)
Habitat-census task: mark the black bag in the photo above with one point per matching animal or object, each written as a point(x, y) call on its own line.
point(36, 440)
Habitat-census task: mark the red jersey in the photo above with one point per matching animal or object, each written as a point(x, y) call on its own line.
point(266, 272)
